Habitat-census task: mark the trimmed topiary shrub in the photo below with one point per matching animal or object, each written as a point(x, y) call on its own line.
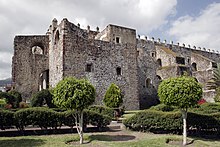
point(6, 119)
point(155, 121)
point(113, 96)
point(38, 116)
point(102, 110)
point(207, 108)
point(164, 108)
point(96, 119)
point(171, 122)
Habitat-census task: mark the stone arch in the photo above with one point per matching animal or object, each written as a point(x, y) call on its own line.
point(194, 66)
point(148, 82)
point(37, 48)
point(159, 62)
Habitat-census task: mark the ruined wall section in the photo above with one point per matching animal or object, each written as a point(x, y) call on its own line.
point(56, 33)
point(27, 65)
point(103, 58)
point(147, 78)
point(211, 55)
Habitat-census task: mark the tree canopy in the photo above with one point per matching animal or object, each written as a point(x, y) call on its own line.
point(74, 94)
point(183, 92)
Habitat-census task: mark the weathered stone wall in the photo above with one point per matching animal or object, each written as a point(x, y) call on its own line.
point(27, 66)
point(147, 78)
point(67, 50)
point(202, 63)
point(111, 32)
point(104, 58)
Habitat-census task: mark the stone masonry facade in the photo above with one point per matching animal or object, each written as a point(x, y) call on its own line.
point(114, 55)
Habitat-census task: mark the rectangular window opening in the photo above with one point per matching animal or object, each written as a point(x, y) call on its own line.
point(88, 67)
point(117, 40)
point(180, 60)
point(118, 70)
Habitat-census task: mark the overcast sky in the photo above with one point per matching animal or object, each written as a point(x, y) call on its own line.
point(194, 22)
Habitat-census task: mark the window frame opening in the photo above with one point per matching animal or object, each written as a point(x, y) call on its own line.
point(118, 71)
point(88, 67)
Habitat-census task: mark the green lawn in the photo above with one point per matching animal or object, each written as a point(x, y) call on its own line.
point(105, 139)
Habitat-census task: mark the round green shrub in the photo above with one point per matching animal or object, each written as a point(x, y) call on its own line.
point(113, 96)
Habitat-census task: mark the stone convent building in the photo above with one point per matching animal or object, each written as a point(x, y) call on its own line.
point(114, 55)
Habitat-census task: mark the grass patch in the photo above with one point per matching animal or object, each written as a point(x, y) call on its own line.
point(105, 139)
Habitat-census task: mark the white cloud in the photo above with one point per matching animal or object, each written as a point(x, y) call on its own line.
point(34, 16)
point(203, 30)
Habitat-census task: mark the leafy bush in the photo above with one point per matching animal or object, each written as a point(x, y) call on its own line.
point(96, 119)
point(207, 108)
point(10, 99)
point(102, 110)
point(163, 107)
point(217, 96)
point(113, 96)
point(42, 97)
point(6, 119)
point(2, 103)
point(150, 120)
point(17, 98)
point(38, 116)
point(171, 122)
point(89, 117)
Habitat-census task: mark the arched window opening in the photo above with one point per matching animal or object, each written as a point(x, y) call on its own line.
point(118, 70)
point(148, 82)
point(194, 66)
point(159, 62)
point(57, 37)
point(37, 50)
point(159, 78)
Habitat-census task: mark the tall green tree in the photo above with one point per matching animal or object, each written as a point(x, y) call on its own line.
point(183, 92)
point(214, 82)
point(74, 94)
point(113, 96)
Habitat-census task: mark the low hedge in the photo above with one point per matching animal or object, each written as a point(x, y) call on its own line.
point(44, 118)
point(207, 108)
point(163, 107)
point(102, 110)
point(38, 116)
point(155, 121)
point(6, 119)
point(171, 122)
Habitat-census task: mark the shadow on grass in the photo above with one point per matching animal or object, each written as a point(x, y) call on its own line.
point(21, 142)
point(111, 137)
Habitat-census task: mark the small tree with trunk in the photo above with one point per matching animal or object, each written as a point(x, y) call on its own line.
point(76, 95)
point(183, 92)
